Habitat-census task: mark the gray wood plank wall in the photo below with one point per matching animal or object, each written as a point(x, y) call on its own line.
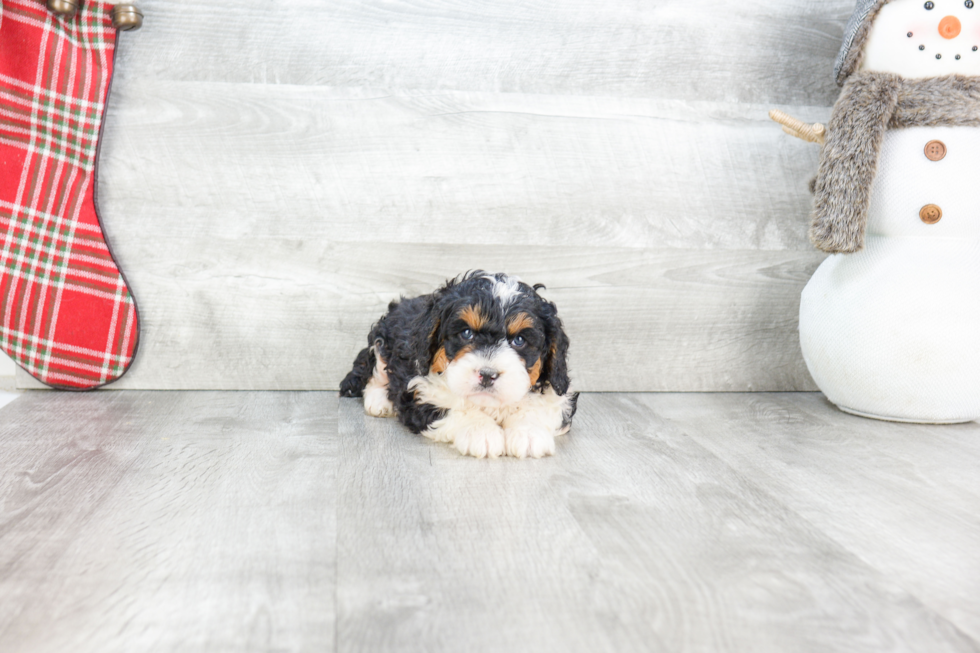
point(273, 174)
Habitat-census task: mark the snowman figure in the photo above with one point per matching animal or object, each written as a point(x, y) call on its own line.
point(890, 322)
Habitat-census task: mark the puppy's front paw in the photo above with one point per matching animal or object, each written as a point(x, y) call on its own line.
point(528, 441)
point(481, 441)
point(376, 402)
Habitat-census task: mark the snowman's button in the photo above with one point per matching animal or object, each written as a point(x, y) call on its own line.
point(935, 150)
point(931, 214)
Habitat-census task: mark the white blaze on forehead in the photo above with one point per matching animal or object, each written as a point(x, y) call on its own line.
point(889, 48)
point(505, 289)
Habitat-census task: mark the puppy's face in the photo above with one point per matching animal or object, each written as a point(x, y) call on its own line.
point(495, 340)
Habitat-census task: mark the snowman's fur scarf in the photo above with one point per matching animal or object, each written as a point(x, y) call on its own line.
point(870, 104)
point(855, 53)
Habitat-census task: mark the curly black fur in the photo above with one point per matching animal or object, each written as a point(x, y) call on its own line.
point(354, 383)
point(409, 336)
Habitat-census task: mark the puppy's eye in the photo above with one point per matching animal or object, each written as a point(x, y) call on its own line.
point(518, 342)
point(929, 5)
point(467, 334)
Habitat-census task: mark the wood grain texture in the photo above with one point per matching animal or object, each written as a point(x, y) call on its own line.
point(649, 319)
point(167, 522)
point(273, 173)
point(722, 50)
point(241, 521)
point(265, 162)
point(633, 537)
point(8, 372)
point(904, 498)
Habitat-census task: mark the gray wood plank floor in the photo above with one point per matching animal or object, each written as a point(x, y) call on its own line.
point(289, 521)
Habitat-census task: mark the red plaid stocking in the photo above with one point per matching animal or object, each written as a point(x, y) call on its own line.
point(67, 316)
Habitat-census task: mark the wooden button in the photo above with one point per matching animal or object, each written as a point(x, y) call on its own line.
point(931, 214)
point(935, 150)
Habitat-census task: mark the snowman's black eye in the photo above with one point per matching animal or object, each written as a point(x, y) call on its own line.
point(968, 4)
point(909, 34)
point(929, 6)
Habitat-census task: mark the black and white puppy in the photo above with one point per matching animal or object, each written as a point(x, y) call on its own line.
point(480, 363)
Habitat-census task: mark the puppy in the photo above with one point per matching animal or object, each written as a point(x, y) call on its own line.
point(480, 364)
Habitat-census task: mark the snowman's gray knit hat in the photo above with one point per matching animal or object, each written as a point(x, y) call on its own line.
point(855, 34)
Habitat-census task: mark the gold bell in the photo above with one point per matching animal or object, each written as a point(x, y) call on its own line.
point(63, 8)
point(125, 17)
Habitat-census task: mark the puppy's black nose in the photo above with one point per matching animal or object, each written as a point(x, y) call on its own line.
point(488, 376)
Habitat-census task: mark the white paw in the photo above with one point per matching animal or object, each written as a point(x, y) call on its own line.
point(439, 433)
point(527, 441)
point(481, 441)
point(376, 402)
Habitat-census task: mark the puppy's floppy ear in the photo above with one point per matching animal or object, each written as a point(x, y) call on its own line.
point(556, 365)
point(423, 341)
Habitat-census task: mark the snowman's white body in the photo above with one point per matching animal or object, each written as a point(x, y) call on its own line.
point(893, 331)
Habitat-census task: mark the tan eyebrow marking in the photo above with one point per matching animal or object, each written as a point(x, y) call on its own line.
point(518, 323)
point(473, 317)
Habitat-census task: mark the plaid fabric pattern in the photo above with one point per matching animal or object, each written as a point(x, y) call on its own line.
point(67, 316)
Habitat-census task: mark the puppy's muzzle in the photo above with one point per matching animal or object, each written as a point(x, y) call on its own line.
point(488, 376)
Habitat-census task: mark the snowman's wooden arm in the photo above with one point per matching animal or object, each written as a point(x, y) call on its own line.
point(815, 133)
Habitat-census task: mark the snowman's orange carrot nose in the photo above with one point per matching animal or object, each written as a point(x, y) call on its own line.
point(949, 27)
